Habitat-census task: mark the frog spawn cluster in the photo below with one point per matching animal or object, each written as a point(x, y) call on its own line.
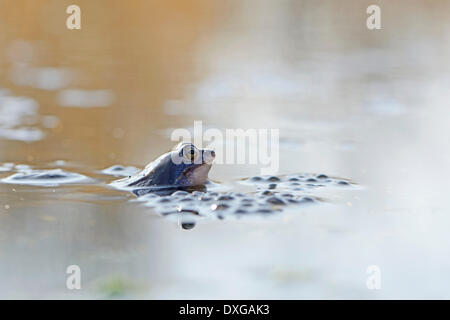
point(297, 182)
point(272, 195)
point(189, 207)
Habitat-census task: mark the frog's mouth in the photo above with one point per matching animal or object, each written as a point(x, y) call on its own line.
point(198, 174)
point(194, 175)
point(208, 156)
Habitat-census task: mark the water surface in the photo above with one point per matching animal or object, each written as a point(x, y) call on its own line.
point(365, 105)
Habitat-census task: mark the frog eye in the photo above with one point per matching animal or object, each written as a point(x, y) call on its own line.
point(190, 153)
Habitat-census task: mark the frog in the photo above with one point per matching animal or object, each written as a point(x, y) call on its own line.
point(183, 167)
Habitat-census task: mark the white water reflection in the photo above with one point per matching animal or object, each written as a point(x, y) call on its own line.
point(42, 78)
point(17, 114)
point(22, 55)
point(85, 98)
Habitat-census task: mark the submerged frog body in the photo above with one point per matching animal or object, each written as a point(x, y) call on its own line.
point(183, 167)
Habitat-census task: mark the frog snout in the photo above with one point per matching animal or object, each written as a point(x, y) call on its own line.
point(208, 156)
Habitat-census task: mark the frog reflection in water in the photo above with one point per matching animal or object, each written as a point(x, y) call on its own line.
point(182, 168)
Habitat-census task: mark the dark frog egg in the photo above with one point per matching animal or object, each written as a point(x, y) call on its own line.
point(225, 198)
point(264, 210)
point(322, 176)
point(294, 179)
point(273, 179)
point(255, 179)
point(287, 195)
point(307, 200)
point(181, 209)
point(188, 226)
point(267, 193)
point(247, 204)
point(272, 186)
point(311, 180)
point(343, 183)
point(164, 200)
point(275, 200)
